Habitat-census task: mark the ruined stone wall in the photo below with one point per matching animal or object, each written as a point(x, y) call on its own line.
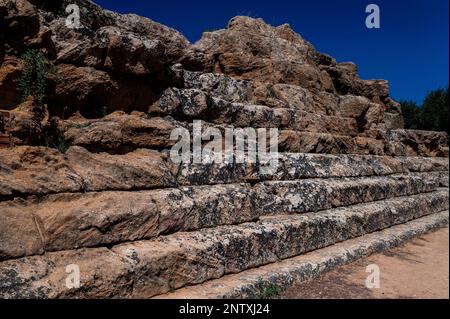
point(104, 194)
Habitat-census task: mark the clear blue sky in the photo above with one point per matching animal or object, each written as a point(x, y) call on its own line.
point(410, 50)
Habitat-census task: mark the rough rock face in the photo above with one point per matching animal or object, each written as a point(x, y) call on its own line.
point(40, 171)
point(21, 125)
point(90, 181)
point(10, 71)
point(19, 24)
point(113, 61)
point(79, 88)
point(251, 49)
point(120, 133)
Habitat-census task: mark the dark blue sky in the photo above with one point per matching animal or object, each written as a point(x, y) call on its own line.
point(410, 50)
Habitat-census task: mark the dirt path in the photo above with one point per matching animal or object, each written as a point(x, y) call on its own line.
point(419, 269)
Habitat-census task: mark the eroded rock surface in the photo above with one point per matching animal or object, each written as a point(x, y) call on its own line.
point(90, 182)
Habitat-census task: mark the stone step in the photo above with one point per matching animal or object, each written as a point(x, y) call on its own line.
point(189, 258)
point(188, 105)
point(258, 282)
point(148, 268)
point(122, 133)
point(302, 196)
point(292, 166)
point(391, 143)
point(221, 86)
point(412, 142)
point(27, 171)
point(302, 133)
point(71, 221)
point(291, 141)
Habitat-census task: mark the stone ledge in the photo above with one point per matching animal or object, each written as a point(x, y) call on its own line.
point(252, 283)
point(148, 268)
point(71, 221)
point(27, 171)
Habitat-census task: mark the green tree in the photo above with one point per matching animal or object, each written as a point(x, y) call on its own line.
point(435, 111)
point(432, 115)
point(412, 115)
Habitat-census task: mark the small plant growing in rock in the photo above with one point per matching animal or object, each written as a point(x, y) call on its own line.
point(268, 290)
point(33, 81)
point(171, 286)
point(271, 92)
point(54, 137)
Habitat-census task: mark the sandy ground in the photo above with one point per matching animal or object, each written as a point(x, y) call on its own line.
point(420, 269)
